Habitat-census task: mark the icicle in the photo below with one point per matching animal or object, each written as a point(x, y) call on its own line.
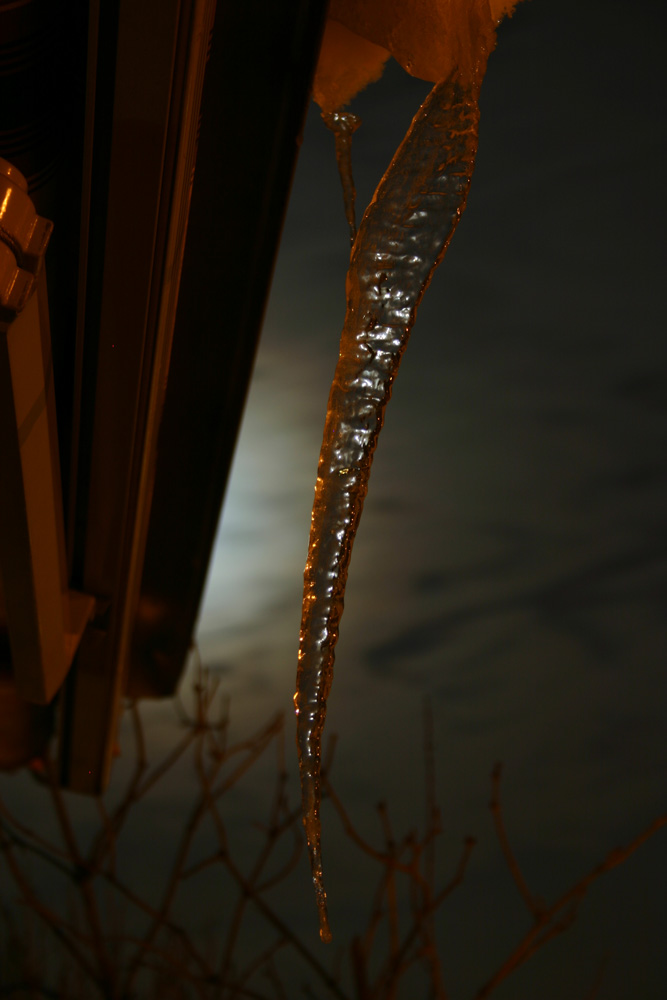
point(344, 124)
point(402, 238)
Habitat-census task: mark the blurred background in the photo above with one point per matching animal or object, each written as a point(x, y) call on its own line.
point(511, 565)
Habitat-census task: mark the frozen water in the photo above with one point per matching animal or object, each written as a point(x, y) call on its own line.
point(402, 238)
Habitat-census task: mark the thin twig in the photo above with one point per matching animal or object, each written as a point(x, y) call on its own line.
point(254, 967)
point(102, 844)
point(174, 962)
point(432, 906)
point(165, 765)
point(32, 835)
point(263, 907)
point(65, 867)
point(274, 831)
point(150, 911)
point(432, 828)
point(48, 916)
point(390, 883)
point(536, 906)
point(546, 926)
point(383, 858)
point(83, 875)
point(162, 914)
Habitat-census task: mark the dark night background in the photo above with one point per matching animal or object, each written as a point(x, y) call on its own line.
point(511, 564)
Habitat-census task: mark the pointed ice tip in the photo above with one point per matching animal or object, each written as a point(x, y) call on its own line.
point(325, 930)
point(321, 900)
point(325, 933)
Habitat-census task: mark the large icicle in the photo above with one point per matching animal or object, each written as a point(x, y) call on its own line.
point(401, 240)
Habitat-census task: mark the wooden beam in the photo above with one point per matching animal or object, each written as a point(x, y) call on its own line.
point(44, 621)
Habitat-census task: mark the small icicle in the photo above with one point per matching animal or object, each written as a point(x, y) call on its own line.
point(402, 238)
point(344, 124)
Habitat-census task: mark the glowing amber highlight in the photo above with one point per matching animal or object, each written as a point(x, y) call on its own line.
point(402, 238)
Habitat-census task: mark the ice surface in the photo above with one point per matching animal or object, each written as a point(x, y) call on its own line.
point(344, 124)
point(401, 240)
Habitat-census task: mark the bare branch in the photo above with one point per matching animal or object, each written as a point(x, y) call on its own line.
point(536, 906)
point(51, 919)
point(547, 926)
point(267, 912)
